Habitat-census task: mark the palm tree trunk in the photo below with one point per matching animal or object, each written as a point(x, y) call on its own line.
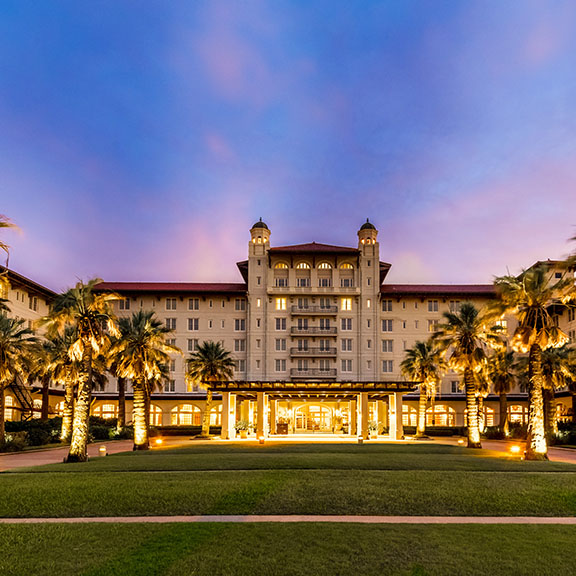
point(421, 428)
point(148, 390)
point(2, 419)
point(472, 408)
point(550, 424)
point(481, 416)
point(206, 416)
point(68, 412)
point(503, 425)
point(121, 422)
point(139, 418)
point(45, 398)
point(79, 443)
point(573, 407)
point(536, 447)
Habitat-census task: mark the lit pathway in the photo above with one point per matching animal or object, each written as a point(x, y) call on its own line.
point(291, 519)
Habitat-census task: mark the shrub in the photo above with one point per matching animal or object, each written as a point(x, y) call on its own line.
point(100, 432)
point(518, 431)
point(39, 432)
point(14, 442)
point(127, 433)
point(493, 433)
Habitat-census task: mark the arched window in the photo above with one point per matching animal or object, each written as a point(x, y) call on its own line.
point(324, 266)
point(346, 266)
point(105, 411)
point(518, 414)
point(409, 415)
point(281, 265)
point(8, 411)
point(186, 415)
point(59, 408)
point(440, 415)
point(155, 415)
point(303, 266)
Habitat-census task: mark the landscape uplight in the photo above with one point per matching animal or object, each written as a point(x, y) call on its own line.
point(158, 441)
point(515, 449)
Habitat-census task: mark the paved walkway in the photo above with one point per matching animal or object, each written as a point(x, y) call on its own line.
point(291, 519)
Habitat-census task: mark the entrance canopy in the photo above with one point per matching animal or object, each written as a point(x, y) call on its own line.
point(287, 387)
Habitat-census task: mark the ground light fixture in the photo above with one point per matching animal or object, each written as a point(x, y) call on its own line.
point(261, 439)
point(102, 451)
point(158, 441)
point(515, 449)
point(461, 442)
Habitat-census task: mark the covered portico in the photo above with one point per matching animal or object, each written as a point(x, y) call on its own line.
point(361, 409)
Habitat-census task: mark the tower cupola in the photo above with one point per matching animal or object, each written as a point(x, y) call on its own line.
point(367, 233)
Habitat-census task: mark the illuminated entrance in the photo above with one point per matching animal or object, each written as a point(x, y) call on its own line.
point(353, 409)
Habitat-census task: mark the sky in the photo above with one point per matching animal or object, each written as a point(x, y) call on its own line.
point(141, 139)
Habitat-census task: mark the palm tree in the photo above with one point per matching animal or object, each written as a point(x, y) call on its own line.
point(17, 347)
point(502, 374)
point(463, 338)
point(532, 297)
point(88, 314)
point(141, 354)
point(423, 363)
point(210, 363)
point(5, 223)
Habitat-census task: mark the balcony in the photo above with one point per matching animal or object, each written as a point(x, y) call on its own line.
point(313, 373)
point(314, 310)
point(311, 352)
point(315, 290)
point(313, 331)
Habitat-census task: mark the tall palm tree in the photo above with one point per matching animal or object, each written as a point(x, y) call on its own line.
point(17, 348)
point(89, 315)
point(502, 374)
point(210, 363)
point(5, 222)
point(533, 297)
point(141, 354)
point(423, 363)
point(464, 337)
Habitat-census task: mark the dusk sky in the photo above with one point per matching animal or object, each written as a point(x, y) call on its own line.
point(140, 140)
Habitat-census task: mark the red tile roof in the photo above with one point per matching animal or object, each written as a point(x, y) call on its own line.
point(313, 247)
point(190, 287)
point(457, 289)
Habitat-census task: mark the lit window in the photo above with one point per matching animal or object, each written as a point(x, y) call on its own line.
point(324, 266)
point(280, 303)
point(186, 415)
point(346, 304)
point(346, 266)
point(258, 302)
point(303, 266)
point(368, 303)
point(432, 325)
point(281, 266)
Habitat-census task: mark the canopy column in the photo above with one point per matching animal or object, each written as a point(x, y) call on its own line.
point(262, 401)
point(364, 414)
point(396, 427)
point(228, 416)
point(353, 419)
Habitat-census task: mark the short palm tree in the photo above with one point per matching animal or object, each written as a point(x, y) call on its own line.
point(17, 349)
point(88, 314)
point(532, 297)
point(141, 354)
point(423, 363)
point(502, 375)
point(210, 363)
point(464, 337)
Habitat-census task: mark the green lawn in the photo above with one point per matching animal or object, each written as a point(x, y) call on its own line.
point(284, 478)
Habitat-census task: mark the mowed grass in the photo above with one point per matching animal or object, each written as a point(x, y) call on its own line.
point(286, 549)
point(285, 478)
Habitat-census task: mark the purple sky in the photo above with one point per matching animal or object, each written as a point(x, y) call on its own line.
point(141, 140)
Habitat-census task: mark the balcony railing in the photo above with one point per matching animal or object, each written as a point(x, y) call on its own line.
point(313, 330)
point(308, 352)
point(313, 373)
point(316, 310)
point(313, 290)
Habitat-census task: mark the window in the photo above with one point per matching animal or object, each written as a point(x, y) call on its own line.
point(368, 303)
point(432, 325)
point(454, 386)
point(368, 343)
point(454, 306)
point(572, 336)
point(104, 411)
point(222, 323)
point(346, 323)
point(346, 365)
point(502, 323)
point(281, 266)
point(346, 266)
point(171, 341)
point(325, 324)
point(280, 323)
point(258, 302)
point(124, 304)
point(302, 365)
point(239, 324)
point(257, 322)
point(432, 305)
point(347, 282)
point(302, 323)
point(258, 280)
point(240, 304)
point(303, 282)
point(258, 364)
point(171, 303)
point(416, 324)
point(368, 323)
point(210, 323)
point(192, 344)
point(193, 324)
point(324, 282)
point(281, 282)
point(172, 365)
point(171, 323)
point(368, 281)
point(571, 314)
point(325, 303)
point(223, 303)
point(280, 344)
point(258, 342)
point(387, 345)
point(280, 365)
point(240, 365)
point(186, 415)
point(324, 266)
point(324, 345)
point(324, 365)
point(280, 303)
point(302, 303)
point(346, 304)
point(302, 344)
point(239, 345)
point(303, 266)
point(193, 304)
point(346, 344)
point(170, 386)
point(386, 305)
point(388, 366)
point(387, 325)
point(558, 275)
